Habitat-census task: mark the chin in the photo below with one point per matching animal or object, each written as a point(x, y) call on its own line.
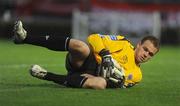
point(137, 61)
point(140, 61)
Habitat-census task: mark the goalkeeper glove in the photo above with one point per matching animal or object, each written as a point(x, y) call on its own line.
point(117, 77)
point(106, 65)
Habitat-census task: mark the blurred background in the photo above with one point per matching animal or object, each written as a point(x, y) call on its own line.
point(79, 18)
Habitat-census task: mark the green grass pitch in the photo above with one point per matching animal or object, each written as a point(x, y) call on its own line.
point(160, 85)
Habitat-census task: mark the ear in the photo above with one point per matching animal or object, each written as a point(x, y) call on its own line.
point(138, 44)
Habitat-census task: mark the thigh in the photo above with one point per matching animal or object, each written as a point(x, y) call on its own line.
point(94, 82)
point(78, 52)
point(89, 66)
point(78, 80)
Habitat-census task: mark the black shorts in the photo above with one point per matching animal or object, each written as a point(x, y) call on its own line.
point(90, 66)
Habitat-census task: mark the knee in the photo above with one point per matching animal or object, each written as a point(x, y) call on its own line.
point(78, 46)
point(100, 84)
point(95, 83)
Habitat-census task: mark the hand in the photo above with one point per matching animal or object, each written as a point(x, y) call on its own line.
point(117, 77)
point(115, 83)
point(106, 66)
point(110, 69)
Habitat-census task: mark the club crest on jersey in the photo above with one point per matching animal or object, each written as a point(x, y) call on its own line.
point(124, 59)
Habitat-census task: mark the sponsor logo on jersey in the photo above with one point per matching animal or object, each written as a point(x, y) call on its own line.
point(113, 37)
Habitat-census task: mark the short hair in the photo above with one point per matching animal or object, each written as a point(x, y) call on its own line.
point(155, 41)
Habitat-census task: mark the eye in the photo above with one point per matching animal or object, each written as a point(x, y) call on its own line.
point(145, 49)
point(151, 54)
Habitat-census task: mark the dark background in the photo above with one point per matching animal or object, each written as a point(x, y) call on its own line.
point(55, 16)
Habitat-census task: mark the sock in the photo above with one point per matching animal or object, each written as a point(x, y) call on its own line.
point(59, 79)
point(76, 80)
point(56, 43)
point(73, 80)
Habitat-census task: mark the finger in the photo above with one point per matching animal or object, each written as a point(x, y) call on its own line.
point(104, 72)
point(113, 79)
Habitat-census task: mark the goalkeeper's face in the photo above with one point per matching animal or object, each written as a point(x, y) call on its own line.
point(144, 51)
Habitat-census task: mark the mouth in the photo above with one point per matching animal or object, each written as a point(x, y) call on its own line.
point(141, 59)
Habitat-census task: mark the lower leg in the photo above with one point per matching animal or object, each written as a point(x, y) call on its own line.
point(57, 43)
point(74, 80)
point(59, 79)
point(41, 73)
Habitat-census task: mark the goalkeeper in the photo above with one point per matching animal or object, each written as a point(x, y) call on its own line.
point(105, 61)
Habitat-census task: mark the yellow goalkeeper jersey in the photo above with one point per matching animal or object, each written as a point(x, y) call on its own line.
point(122, 51)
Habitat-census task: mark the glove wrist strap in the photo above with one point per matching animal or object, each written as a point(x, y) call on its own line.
point(104, 52)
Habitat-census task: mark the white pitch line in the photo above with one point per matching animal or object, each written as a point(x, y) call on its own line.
point(28, 65)
point(13, 90)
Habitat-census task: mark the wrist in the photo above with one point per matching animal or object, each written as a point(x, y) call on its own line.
point(104, 52)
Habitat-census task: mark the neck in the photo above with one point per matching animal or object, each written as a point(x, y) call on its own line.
point(137, 63)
